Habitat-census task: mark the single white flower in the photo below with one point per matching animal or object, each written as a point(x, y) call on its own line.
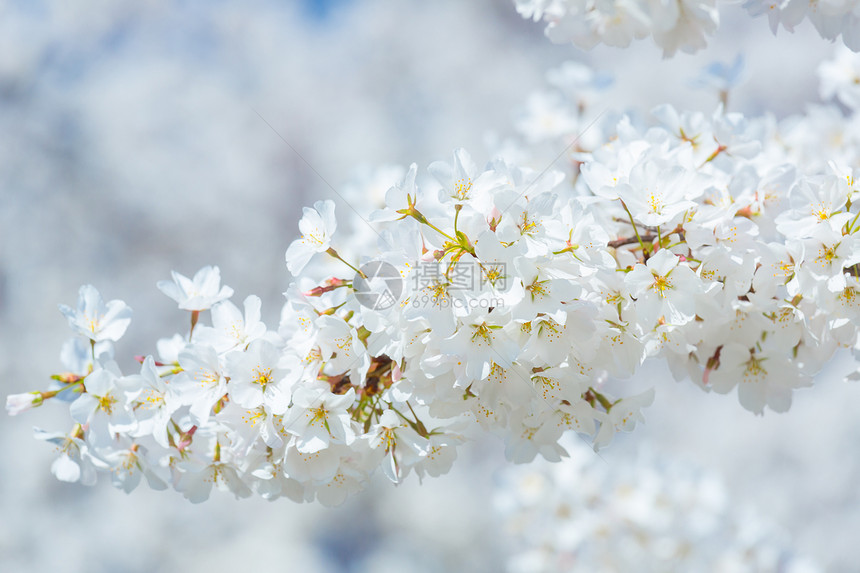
point(317, 418)
point(623, 416)
point(153, 402)
point(399, 444)
point(256, 377)
point(95, 319)
point(480, 341)
point(317, 226)
point(197, 477)
point(229, 328)
point(199, 293)
point(104, 406)
point(657, 195)
point(128, 464)
point(664, 287)
point(763, 378)
point(74, 463)
point(201, 382)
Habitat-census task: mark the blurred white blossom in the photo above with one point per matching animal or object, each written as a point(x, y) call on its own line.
point(644, 514)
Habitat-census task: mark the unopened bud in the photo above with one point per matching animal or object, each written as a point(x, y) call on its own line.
point(17, 403)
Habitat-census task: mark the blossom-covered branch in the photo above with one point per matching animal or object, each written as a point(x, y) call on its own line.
point(680, 24)
point(496, 299)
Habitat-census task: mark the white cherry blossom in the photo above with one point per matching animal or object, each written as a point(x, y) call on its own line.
point(317, 226)
point(96, 319)
point(198, 293)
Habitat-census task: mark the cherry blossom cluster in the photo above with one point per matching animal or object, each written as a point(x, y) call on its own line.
point(504, 299)
point(831, 18)
point(674, 25)
point(775, 198)
point(643, 514)
point(680, 24)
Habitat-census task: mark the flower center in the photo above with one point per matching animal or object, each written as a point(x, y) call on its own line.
point(262, 376)
point(106, 403)
point(462, 188)
point(661, 285)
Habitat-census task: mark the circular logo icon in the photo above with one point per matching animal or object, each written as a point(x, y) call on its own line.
point(380, 287)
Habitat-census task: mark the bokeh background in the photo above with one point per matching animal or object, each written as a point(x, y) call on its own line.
point(135, 139)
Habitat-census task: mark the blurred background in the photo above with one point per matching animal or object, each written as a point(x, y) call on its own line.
point(136, 139)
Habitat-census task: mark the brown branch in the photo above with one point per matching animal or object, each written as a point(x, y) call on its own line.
point(630, 241)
